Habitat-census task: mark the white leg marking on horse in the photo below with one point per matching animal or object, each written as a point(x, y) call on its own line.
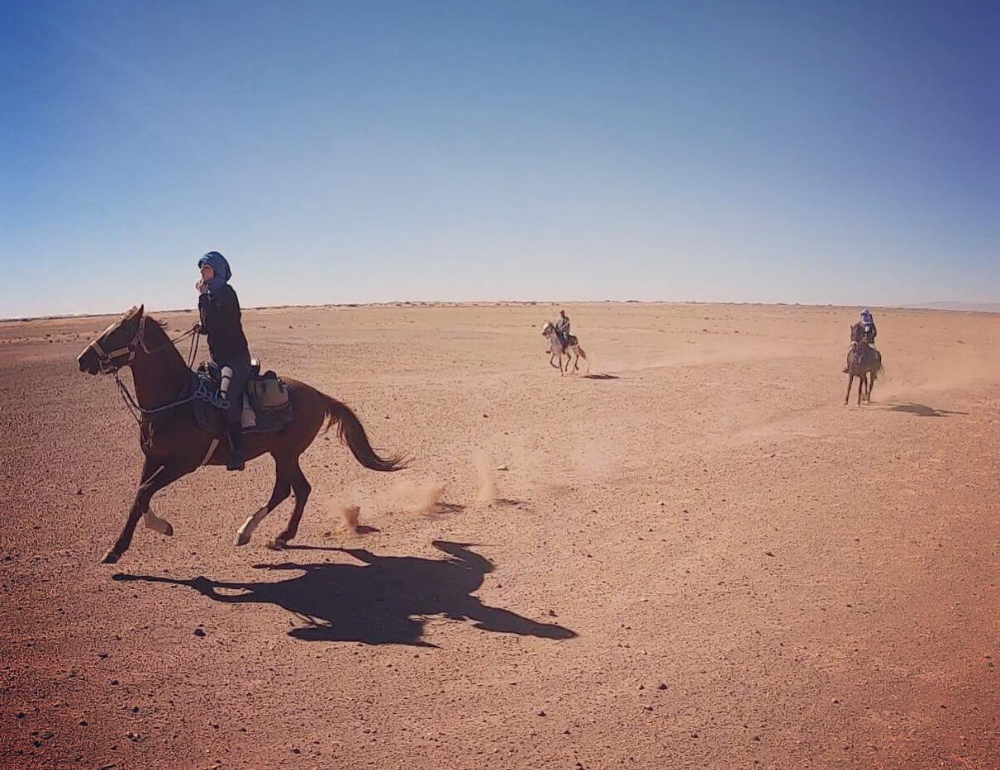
point(155, 523)
point(211, 451)
point(244, 533)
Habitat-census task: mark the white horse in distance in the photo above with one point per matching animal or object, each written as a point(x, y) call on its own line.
point(557, 350)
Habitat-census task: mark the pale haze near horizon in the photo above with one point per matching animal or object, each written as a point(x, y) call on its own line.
point(822, 153)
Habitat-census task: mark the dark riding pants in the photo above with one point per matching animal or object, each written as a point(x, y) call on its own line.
point(238, 386)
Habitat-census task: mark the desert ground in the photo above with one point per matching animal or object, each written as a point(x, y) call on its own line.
point(697, 557)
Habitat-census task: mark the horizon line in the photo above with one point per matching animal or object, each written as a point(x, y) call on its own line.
point(940, 306)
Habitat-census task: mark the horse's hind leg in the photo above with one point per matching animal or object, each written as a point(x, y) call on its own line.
point(302, 489)
point(282, 489)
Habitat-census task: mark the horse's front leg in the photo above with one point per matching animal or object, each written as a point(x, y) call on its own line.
point(850, 381)
point(155, 476)
point(150, 519)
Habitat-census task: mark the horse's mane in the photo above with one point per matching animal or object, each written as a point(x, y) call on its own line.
point(132, 311)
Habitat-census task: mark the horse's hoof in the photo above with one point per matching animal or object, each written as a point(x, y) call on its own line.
point(158, 525)
point(277, 544)
point(111, 557)
point(242, 538)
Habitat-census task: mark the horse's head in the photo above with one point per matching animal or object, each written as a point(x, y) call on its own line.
point(116, 346)
point(548, 329)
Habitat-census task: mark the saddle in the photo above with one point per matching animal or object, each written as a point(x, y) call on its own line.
point(266, 405)
point(861, 352)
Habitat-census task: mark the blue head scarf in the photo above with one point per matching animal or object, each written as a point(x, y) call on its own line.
point(221, 268)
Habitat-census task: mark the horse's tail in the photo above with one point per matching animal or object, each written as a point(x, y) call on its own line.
point(583, 354)
point(352, 433)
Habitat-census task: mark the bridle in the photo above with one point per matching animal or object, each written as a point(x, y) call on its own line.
point(111, 362)
point(107, 360)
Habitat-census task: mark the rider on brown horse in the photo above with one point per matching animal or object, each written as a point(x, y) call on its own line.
point(863, 331)
point(219, 308)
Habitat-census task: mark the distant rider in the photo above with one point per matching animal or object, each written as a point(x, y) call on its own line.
point(562, 328)
point(863, 331)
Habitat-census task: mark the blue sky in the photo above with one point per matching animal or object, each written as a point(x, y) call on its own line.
point(842, 152)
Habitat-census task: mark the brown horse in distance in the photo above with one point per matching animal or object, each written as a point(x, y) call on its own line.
point(174, 445)
point(866, 364)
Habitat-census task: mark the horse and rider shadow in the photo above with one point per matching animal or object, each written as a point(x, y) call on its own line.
point(921, 410)
point(382, 600)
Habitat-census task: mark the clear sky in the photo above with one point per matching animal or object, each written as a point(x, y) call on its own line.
point(821, 151)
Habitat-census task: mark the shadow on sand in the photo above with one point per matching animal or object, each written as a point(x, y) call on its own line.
point(383, 600)
point(921, 410)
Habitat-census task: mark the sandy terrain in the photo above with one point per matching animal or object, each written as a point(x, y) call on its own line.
point(700, 558)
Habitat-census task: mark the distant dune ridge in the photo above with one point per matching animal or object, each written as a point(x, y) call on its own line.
point(968, 307)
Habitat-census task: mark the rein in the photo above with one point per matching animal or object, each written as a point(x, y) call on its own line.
point(137, 343)
point(137, 411)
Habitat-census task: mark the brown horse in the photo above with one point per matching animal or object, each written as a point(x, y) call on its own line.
point(865, 363)
point(174, 445)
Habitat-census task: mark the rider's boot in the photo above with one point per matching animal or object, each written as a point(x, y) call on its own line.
point(236, 462)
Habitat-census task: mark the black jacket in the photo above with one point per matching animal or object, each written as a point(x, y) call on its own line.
point(220, 320)
point(858, 332)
